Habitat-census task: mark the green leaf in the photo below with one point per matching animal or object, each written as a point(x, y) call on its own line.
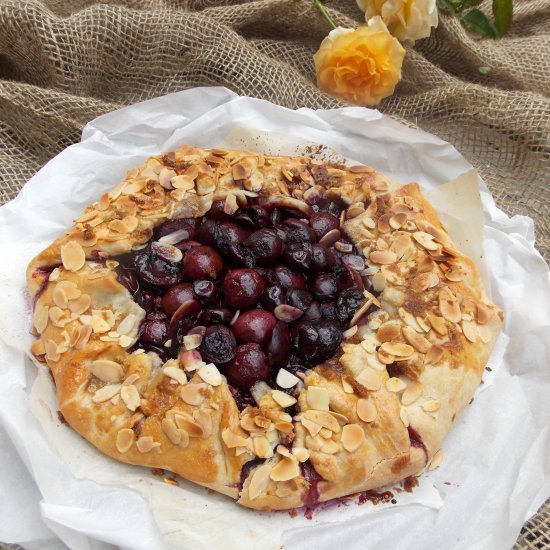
point(477, 20)
point(484, 70)
point(503, 12)
point(449, 6)
point(470, 3)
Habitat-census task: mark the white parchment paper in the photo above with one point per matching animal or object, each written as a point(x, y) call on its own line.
point(57, 490)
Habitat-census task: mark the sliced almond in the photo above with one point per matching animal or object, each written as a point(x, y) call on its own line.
point(171, 430)
point(347, 387)
point(301, 454)
point(469, 328)
point(127, 324)
point(434, 355)
point(183, 182)
point(72, 256)
point(318, 398)
point(146, 444)
point(193, 394)
point(286, 379)
point(105, 393)
point(431, 405)
point(411, 393)
point(378, 281)
point(230, 205)
point(210, 374)
point(366, 410)
point(397, 349)
point(186, 422)
point(232, 440)
point(455, 273)
point(436, 460)
point(80, 305)
point(483, 314)
point(40, 318)
point(425, 240)
point(352, 437)
point(311, 426)
point(175, 373)
point(125, 439)
point(175, 237)
point(409, 319)
point(286, 469)
point(424, 281)
point(261, 446)
point(398, 220)
point(130, 396)
point(384, 358)
point(329, 447)
point(204, 418)
point(323, 419)
point(438, 324)
point(417, 341)
point(100, 325)
point(388, 332)
point(283, 399)
point(395, 384)
point(448, 305)
point(382, 257)
point(38, 348)
point(106, 370)
point(370, 379)
point(259, 481)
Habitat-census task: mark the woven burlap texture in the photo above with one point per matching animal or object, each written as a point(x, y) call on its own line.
point(64, 62)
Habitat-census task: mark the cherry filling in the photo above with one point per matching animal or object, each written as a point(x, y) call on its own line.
point(266, 288)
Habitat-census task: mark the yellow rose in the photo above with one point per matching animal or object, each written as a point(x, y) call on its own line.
point(407, 20)
point(360, 65)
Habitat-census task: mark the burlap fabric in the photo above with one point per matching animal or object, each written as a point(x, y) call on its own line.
point(64, 62)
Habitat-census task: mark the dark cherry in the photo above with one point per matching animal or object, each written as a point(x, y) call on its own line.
point(248, 367)
point(298, 255)
point(313, 312)
point(346, 277)
point(148, 300)
point(266, 245)
point(244, 218)
point(207, 292)
point(299, 232)
point(233, 233)
point(175, 296)
point(323, 222)
point(328, 310)
point(242, 288)
point(348, 302)
point(259, 215)
point(128, 279)
point(288, 278)
point(240, 254)
point(155, 315)
point(155, 332)
point(254, 327)
point(299, 298)
point(202, 262)
point(215, 315)
point(185, 313)
point(273, 296)
point(155, 270)
point(216, 211)
point(209, 233)
point(334, 208)
point(279, 346)
point(323, 286)
point(322, 258)
point(161, 351)
point(184, 246)
point(275, 217)
point(218, 345)
point(316, 341)
point(243, 399)
point(171, 226)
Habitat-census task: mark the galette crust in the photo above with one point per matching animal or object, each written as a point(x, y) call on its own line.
point(374, 415)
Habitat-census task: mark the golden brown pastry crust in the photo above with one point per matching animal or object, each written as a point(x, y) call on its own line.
point(433, 326)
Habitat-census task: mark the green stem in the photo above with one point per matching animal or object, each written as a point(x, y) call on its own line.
point(326, 16)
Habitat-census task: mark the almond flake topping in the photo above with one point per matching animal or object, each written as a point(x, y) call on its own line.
point(395, 385)
point(397, 349)
point(146, 443)
point(106, 370)
point(323, 419)
point(329, 447)
point(370, 379)
point(425, 240)
point(398, 220)
point(366, 410)
point(286, 469)
point(125, 439)
point(438, 324)
point(130, 396)
point(232, 440)
point(174, 372)
point(431, 405)
point(127, 324)
point(193, 394)
point(434, 354)
point(347, 387)
point(259, 481)
point(382, 257)
point(38, 348)
point(483, 314)
point(72, 256)
point(210, 374)
point(469, 328)
point(105, 393)
point(40, 318)
point(171, 430)
point(100, 325)
point(448, 304)
point(80, 305)
point(412, 393)
point(436, 460)
point(186, 422)
point(423, 281)
point(417, 341)
point(378, 281)
point(318, 398)
point(192, 341)
point(368, 222)
point(352, 437)
point(283, 399)
point(286, 379)
point(301, 454)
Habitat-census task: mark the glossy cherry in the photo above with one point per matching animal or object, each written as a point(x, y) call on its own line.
point(323, 222)
point(202, 262)
point(266, 245)
point(254, 326)
point(248, 367)
point(242, 288)
point(175, 296)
